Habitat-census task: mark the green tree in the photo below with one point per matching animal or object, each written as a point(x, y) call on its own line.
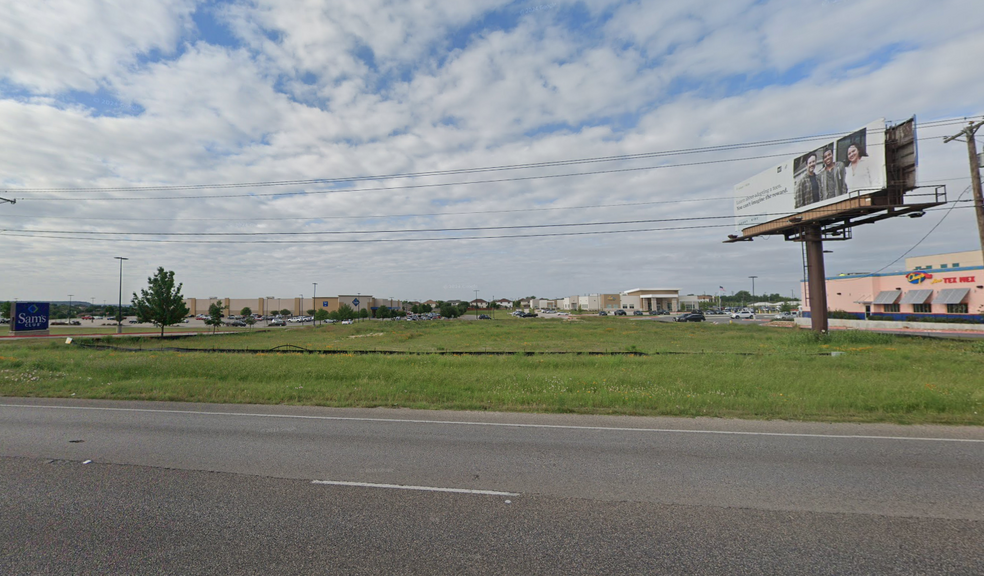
point(321, 315)
point(364, 313)
point(4, 309)
point(246, 312)
point(214, 316)
point(285, 312)
point(161, 303)
point(344, 312)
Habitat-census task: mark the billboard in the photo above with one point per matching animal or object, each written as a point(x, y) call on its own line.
point(850, 166)
point(29, 316)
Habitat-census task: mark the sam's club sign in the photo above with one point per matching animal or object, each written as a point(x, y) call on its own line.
point(29, 316)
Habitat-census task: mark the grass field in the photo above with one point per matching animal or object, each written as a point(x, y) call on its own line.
point(740, 371)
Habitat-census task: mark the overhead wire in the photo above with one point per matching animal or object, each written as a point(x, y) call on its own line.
point(405, 215)
point(726, 147)
point(91, 235)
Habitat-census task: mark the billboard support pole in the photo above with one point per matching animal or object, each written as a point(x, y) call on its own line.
point(816, 277)
point(975, 174)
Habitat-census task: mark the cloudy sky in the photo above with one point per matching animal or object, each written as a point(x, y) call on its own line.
point(423, 149)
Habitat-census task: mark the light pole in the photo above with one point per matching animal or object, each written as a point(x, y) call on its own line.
point(314, 301)
point(753, 286)
point(70, 296)
point(476, 303)
point(119, 309)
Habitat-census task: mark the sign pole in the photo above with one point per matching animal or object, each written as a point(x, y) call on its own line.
point(817, 282)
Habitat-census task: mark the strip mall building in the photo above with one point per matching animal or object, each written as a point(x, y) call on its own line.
point(931, 287)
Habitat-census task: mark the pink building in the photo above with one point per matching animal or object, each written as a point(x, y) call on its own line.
point(932, 287)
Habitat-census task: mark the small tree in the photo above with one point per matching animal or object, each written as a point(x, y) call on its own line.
point(161, 303)
point(344, 312)
point(247, 311)
point(4, 309)
point(364, 313)
point(214, 316)
point(320, 315)
point(285, 312)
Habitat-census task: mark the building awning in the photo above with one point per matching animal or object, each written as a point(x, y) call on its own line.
point(916, 297)
point(952, 296)
point(887, 297)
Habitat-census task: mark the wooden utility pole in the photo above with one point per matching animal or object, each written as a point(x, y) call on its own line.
point(975, 173)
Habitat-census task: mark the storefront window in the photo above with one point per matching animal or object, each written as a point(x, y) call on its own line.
point(956, 308)
point(922, 308)
point(891, 307)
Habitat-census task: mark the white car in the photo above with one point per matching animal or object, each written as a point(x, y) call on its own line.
point(346, 321)
point(743, 315)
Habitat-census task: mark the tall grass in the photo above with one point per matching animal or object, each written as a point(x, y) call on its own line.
point(693, 370)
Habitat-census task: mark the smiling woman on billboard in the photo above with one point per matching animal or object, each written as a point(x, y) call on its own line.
point(859, 170)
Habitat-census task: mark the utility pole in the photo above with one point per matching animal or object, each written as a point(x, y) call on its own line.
point(119, 309)
point(975, 173)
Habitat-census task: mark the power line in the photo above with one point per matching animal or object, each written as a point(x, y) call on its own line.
point(298, 182)
point(419, 186)
point(409, 215)
point(414, 186)
point(89, 235)
point(379, 240)
point(931, 230)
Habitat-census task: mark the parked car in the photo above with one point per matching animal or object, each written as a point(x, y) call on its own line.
point(637, 312)
point(236, 323)
point(620, 312)
point(695, 316)
point(602, 313)
point(743, 315)
point(484, 317)
point(346, 321)
point(785, 316)
point(276, 322)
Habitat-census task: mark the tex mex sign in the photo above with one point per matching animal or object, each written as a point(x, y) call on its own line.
point(920, 277)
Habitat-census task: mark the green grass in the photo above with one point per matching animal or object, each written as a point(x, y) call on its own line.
point(735, 371)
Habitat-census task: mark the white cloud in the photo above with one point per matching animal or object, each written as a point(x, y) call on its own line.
point(62, 45)
point(452, 85)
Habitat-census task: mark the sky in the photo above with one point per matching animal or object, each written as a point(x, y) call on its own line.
point(430, 149)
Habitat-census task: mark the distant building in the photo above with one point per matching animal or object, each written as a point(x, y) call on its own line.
point(940, 286)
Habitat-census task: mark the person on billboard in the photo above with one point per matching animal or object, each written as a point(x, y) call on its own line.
point(808, 186)
point(832, 182)
point(859, 174)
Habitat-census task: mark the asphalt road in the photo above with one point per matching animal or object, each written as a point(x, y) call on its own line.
point(111, 487)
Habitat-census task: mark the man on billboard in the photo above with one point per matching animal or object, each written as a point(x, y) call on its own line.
point(808, 186)
point(831, 178)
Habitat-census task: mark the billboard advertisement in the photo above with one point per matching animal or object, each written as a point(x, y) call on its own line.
point(29, 316)
point(850, 166)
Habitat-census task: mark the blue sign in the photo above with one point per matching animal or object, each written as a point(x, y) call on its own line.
point(355, 302)
point(324, 303)
point(29, 316)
